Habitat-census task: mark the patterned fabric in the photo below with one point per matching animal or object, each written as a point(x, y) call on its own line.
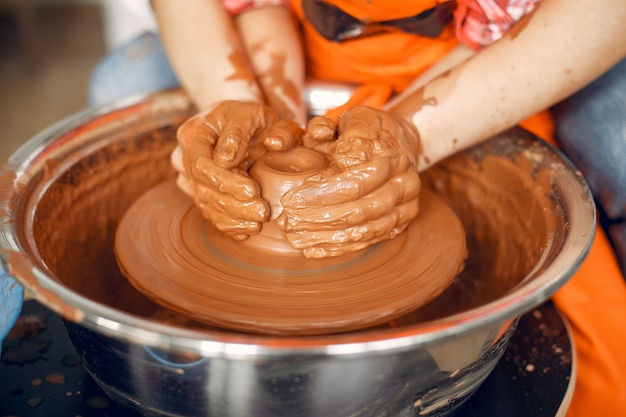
point(478, 23)
point(482, 22)
point(234, 7)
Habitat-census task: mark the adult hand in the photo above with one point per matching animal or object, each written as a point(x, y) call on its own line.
point(215, 150)
point(367, 195)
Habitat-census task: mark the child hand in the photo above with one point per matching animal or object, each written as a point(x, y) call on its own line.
point(369, 193)
point(215, 150)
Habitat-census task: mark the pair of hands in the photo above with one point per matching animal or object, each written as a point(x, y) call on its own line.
point(368, 194)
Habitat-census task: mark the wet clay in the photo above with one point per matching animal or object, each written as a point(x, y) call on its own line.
point(276, 173)
point(263, 285)
point(501, 196)
point(369, 193)
point(75, 220)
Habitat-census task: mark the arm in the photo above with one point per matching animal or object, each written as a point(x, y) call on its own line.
point(220, 65)
point(217, 58)
point(275, 52)
point(205, 51)
point(465, 98)
point(550, 54)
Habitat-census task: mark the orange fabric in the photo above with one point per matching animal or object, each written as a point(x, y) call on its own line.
point(390, 59)
point(594, 300)
point(541, 124)
point(594, 303)
point(377, 10)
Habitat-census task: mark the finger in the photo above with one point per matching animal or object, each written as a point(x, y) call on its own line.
point(351, 151)
point(386, 227)
point(339, 187)
point(237, 124)
point(196, 140)
point(321, 129)
point(231, 148)
point(357, 134)
point(367, 133)
point(319, 252)
point(320, 134)
point(238, 184)
point(361, 122)
point(218, 206)
point(184, 185)
point(196, 130)
point(400, 190)
point(364, 134)
point(202, 170)
point(237, 229)
point(326, 251)
point(176, 159)
point(284, 134)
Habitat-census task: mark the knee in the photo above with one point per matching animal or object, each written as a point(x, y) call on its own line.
point(138, 67)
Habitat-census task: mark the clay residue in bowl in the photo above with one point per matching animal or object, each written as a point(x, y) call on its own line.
point(76, 218)
point(503, 202)
point(505, 205)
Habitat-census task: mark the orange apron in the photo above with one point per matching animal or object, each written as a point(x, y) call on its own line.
point(594, 300)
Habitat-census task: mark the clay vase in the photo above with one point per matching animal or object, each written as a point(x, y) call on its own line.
point(169, 252)
point(277, 173)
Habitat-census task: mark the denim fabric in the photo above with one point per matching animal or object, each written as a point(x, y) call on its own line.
point(138, 67)
point(591, 128)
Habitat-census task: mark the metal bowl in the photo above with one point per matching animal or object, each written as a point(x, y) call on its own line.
point(65, 190)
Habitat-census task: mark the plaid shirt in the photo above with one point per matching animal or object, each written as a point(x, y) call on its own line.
point(234, 7)
point(478, 23)
point(482, 22)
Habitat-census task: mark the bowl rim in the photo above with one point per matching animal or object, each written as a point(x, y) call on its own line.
point(74, 307)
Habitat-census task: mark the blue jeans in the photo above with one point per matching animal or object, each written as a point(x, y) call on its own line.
point(591, 125)
point(139, 67)
point(591, 128)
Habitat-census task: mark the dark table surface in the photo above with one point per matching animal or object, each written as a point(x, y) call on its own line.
point(41, 374)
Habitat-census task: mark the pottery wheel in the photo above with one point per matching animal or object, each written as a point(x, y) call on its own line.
point(185, 264)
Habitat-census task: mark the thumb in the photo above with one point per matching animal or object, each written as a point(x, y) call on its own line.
point(283, 135)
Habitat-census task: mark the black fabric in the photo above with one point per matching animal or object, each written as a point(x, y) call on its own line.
point(337, 25)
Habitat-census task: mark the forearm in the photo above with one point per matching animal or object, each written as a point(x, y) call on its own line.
point(205, 51)
point(275, 52)
point(452, 59)
point(550, 54)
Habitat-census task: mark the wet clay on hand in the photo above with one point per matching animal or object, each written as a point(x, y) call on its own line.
point(216, 149)
point(369, 193)
point(172, 254)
